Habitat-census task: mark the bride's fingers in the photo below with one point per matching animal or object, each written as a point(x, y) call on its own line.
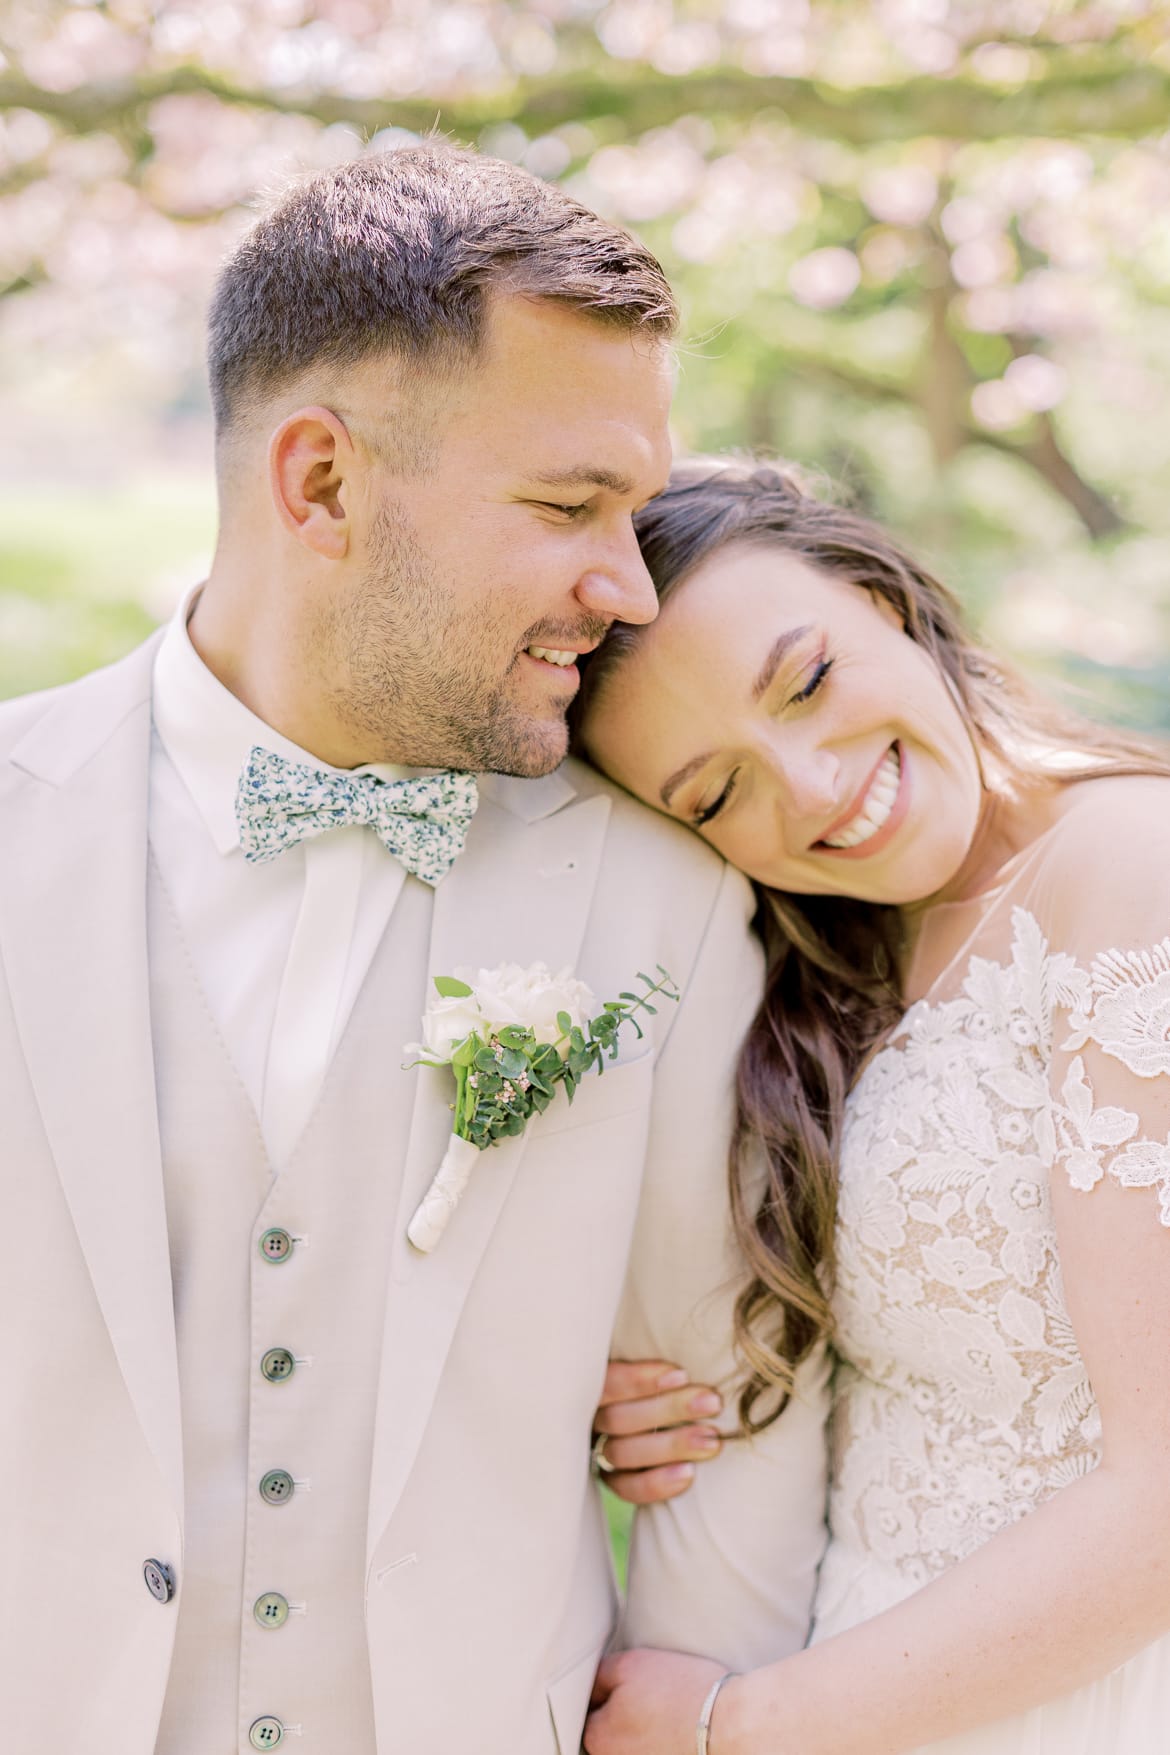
point(652, 1486)
point(653, 1450)
point(628, 1380)
point(675, 1407)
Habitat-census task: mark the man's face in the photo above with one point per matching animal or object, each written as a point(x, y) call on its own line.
point(485, 574)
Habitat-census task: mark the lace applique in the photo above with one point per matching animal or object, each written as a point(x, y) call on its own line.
point(1123, 1007)
point(962, 1401)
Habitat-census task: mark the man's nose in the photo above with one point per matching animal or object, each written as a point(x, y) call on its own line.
point(617, 585)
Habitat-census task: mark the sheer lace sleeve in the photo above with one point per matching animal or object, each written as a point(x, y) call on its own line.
point(1109, 974)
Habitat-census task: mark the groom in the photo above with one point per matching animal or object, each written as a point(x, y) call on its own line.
point(271, 1478)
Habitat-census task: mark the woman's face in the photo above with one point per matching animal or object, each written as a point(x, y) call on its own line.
point(785, 714)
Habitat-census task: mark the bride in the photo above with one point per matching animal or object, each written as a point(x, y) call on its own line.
point(959, 1080)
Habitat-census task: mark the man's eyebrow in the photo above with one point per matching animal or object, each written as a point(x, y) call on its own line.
point(775, 658)
point(584, 475)
point(682, 775)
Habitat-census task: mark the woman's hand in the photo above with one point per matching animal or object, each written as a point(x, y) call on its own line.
point(648, 1411)
point(648, 1703)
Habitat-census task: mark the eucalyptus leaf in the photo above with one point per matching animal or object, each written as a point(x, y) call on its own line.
point(449, 988)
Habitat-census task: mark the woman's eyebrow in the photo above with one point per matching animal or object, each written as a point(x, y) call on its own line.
point(682, 775)
point(780, 647)
point(775, 658)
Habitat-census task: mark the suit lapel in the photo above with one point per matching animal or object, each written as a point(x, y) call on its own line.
point(520, 893)
point(73, 940)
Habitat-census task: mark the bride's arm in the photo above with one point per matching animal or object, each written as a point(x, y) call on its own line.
point(1055, 1601)
point(1049, 1604)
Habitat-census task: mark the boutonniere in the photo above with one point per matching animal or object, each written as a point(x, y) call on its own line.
point(512, 1037)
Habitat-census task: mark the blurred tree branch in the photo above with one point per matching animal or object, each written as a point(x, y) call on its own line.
point(1039, 447)
point(1096, 93)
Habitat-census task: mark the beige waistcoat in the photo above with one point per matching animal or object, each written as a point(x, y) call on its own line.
point(323, 1303)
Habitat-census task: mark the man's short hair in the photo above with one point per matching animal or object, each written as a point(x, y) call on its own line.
point(398, 253)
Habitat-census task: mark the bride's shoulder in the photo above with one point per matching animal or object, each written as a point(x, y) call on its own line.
point(1109, 811)
point(1104, 865)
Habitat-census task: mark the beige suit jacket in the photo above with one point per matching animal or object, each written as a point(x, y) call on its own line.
point(606, 1225)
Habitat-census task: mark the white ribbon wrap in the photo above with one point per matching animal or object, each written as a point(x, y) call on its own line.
point(444, 1194)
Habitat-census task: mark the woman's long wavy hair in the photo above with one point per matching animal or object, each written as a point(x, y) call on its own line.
point(832, 990)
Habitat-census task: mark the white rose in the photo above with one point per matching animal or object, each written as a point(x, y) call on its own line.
point(531, 998)
point(447, 1023)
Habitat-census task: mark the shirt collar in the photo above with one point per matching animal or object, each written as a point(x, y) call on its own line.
point(208, 733)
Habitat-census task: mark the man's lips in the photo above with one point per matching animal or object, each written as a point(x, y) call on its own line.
point(557, 658)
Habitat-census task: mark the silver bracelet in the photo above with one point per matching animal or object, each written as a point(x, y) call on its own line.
point(703, 1728)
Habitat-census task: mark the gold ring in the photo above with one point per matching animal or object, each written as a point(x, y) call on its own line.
point(599, 1463)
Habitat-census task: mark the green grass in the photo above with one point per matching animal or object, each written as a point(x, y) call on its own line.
point(619, 1517)
point(85, 574)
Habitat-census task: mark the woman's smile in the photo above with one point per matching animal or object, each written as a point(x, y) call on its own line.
point(876, 814)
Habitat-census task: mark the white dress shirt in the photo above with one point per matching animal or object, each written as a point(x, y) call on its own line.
point(280, 949)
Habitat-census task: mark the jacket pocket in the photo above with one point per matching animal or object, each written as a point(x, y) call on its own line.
point(624, 1085)
point(568, 1698)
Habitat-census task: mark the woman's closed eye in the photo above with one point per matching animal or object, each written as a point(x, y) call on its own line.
point(707, 812)
point(820, 671)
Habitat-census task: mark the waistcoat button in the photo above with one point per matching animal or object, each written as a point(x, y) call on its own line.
point(277, 1487)
point(271, 1610)
point(265, 1733)
point(277, 1364)
point(276, 1245)
point(160, 1580)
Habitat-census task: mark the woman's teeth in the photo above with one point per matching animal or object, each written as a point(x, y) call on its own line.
point(877, 805)
point(551, 657)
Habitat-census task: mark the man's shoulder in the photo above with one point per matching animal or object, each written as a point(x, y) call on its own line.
point(660, 874)
point(20, 713)
point(90, 706)
point(634, 825)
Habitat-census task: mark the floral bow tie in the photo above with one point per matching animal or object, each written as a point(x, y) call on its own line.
point(423, 822)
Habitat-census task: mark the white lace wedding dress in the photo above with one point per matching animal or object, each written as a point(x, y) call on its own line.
point(1041, 1049)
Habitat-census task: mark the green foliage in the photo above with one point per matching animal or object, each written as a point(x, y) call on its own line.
point(448, 988)
point(501, 1083)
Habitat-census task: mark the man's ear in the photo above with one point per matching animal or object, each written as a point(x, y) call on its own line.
point(311, 459)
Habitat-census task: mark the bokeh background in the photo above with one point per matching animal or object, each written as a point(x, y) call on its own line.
point(922, 246)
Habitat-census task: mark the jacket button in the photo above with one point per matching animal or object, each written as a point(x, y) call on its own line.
point(277, 1364)
point(265, 1733)
point(277, 1487)
point(276, 1245)
point(271, 1610)
point(160, 1580)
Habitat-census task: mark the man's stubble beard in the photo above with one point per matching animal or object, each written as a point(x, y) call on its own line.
point(421, 683)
